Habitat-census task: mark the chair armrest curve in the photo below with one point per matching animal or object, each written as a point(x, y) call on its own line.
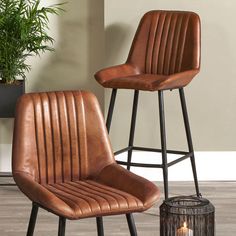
point(118, 71)
point(118, 177)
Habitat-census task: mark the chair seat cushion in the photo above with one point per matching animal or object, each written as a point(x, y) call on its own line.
point(89, 198)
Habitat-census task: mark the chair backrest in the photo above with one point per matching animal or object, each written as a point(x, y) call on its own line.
point(60, 136)
point(166, 42)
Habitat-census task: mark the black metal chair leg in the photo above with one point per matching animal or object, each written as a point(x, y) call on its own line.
point(33, 217)
point(62, 226)
point(131, 224)
point(110, 110)
point(163, 142)
point(100, 229)
point(132, 127)
point(189, 138)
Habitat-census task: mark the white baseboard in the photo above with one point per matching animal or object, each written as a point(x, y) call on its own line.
point(211, 166)
point(5, 157)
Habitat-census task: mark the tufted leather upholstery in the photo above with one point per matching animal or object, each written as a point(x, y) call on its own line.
point(165, 54)
point(62, 158)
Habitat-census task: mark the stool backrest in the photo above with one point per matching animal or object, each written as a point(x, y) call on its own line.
point(166, 42)
point(60, 136)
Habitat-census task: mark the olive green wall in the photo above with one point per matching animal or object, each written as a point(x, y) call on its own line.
point(211, 96)
point(79, 35)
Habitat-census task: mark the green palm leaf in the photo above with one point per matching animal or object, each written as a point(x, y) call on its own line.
point(23, 25)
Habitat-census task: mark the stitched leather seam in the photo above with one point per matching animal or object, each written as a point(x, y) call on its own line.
point(151, 44)
point(183, 43)
point(121, 194)
point(36, 137)
point(166, 43)
point(169, 45)
point(99, 189)
point(87, 192)
point(136, 199)
point(80, 195)
point(66, 201)
point(78, 137)
point(94, 192)
point(57, 155)
point(52, 138)
point(44, 137)
point(147, 48)
point(75, 158)
point(161, 54)
point(67, 196)
point(69, 133)
point(84, 141)
point(161, 37)
point(47, 155)
point(175, 46)
point(60, 137)
point(156, 45)
point(112, 194)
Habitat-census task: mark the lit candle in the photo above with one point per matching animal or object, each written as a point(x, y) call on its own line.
point(184, 231)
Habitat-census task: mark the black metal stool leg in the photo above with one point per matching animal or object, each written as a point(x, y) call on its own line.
point(33, 217)
point(110, 110)
point(100, 229)
point(189, 138)
point(62, 226)
point(131, 224)
point(163, 142)
point(132, 127)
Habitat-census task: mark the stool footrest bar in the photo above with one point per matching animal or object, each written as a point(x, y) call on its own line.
point(140, 164)
point(180, 159)
point(149, 150)
point(159, 150)
point(122, 150)
point(157, 165)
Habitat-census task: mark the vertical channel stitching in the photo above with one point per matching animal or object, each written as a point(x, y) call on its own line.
point(182, 43)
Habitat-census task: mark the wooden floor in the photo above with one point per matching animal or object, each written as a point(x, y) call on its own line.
point(15, 209)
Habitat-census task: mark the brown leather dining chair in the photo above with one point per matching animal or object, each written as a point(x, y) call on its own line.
point(165, 55)
point(63, 162)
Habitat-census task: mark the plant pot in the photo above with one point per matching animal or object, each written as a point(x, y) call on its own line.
point(9, 94)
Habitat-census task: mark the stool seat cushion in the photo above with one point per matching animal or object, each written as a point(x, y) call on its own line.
point(133, 79)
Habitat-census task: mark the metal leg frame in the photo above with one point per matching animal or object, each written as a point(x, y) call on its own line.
point(100, 228)
point(131, 224)
point(62, 226)
point(110, 110)
point(189, 139)
point(163, 150)
point(33, 217)
point(132, 127)
point(163, 142)
point(62, 223)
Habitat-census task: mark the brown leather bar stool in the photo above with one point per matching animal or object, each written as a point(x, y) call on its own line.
point(165, 55)
point(63, 162)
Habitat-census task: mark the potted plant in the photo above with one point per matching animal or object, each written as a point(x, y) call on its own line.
point(23, 33)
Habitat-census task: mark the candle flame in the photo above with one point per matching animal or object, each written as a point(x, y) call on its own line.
point(185, 225)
